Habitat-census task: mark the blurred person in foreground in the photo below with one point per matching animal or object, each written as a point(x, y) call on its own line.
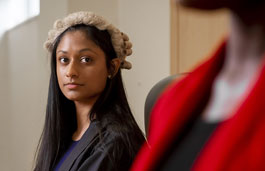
point(214, 118)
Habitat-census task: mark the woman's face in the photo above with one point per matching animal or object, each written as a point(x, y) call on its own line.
point(81, 67)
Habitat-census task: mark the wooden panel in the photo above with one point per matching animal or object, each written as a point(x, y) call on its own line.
point(198, 33)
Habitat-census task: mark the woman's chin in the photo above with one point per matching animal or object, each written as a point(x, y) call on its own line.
point(73, 97)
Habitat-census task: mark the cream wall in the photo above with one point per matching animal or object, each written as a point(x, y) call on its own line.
point(24, 68)
point(107, 8)
point(147, 24)
point(5, 120)
point(25, 93)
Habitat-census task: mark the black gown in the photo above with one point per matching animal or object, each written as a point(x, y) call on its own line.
point(90, 154)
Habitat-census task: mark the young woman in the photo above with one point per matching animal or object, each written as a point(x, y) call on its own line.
point(214, 119)
point(89, 124)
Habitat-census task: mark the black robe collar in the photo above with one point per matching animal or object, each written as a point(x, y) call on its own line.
point(86, 140)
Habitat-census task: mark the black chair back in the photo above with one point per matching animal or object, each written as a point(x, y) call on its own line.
point(153, 95)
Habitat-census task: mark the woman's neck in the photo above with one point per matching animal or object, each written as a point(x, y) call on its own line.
point(83, 119)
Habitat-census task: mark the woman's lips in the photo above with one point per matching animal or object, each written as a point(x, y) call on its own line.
point(72, 85)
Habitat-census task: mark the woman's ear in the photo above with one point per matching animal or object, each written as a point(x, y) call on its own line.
point(115, 66)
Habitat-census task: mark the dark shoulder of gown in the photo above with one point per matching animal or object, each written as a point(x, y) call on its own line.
point(100, 149)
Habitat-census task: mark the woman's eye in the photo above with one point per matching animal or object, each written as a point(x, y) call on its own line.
point(86, 59)
point(63, 60)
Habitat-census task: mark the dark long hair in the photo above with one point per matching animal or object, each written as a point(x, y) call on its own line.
point(111, 109)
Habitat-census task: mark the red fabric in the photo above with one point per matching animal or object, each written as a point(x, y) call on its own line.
point(237, 144)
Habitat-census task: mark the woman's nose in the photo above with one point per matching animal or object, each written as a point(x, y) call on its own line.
point(72, 70)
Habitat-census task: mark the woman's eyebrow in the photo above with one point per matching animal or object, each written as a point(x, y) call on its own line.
point(82, 50)
point(62, 51)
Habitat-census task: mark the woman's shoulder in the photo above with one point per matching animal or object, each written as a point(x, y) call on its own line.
point(112, 133)
point(116, 134)
point(106, 139)
point(109, 133)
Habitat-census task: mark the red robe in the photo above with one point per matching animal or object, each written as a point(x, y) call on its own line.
point(236, 144)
